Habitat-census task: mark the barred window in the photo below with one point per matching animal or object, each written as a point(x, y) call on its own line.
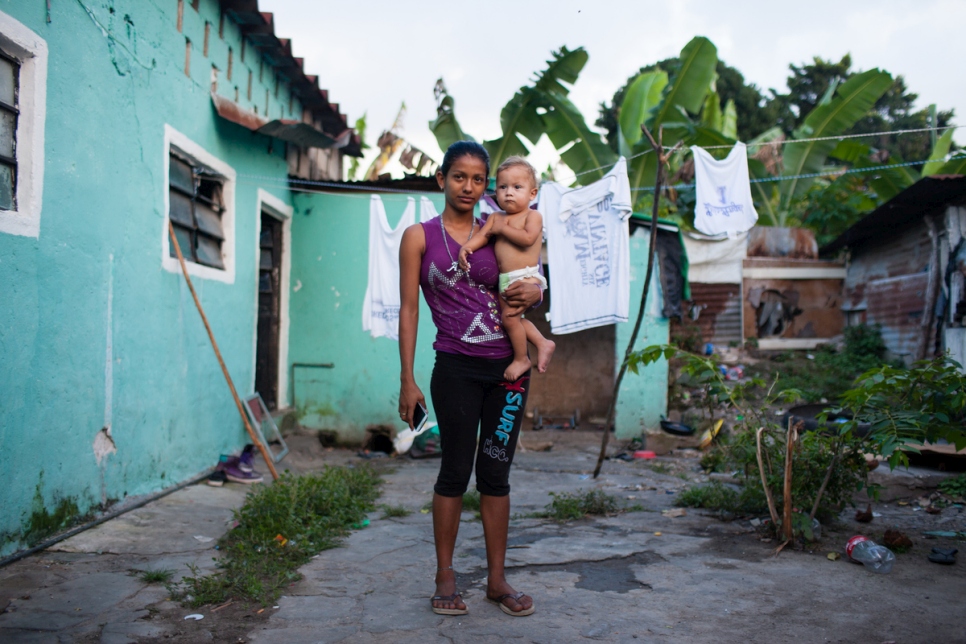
point(9, 114)
point(196, 206)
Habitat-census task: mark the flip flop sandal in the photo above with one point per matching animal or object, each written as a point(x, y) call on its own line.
point(451, 599)
point(515, 597)
point(945, 556)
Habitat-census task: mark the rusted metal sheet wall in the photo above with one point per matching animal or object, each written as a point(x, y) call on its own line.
point(719, 314)
point(897, 303)
point(900, 253)
point(886, 285)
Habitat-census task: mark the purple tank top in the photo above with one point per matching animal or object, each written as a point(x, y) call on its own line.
point(465, 308)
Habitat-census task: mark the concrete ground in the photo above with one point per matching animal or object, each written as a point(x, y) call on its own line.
point(636, 577)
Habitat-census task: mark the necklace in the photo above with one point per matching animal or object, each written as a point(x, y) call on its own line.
point(453, 263)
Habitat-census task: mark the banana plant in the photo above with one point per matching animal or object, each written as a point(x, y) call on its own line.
point(833, 116)
point(657, 99)
point(524, 116)
point(446, 128)
point(535, 110)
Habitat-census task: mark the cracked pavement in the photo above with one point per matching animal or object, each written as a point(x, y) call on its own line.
point(635, 577)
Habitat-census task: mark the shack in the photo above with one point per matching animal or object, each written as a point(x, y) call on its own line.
point(907, 268)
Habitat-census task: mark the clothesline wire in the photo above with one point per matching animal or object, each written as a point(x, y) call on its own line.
point(789, 141)
point(810, 175)
point(284, 183)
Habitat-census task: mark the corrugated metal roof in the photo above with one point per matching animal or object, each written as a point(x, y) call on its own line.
point(919, 199)
point(258, 28)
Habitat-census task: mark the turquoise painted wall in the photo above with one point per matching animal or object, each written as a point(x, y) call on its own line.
point(108, 100)
point(643, 397)
point(330, 255)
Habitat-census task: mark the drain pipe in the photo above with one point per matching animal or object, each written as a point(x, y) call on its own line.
point(17, 556)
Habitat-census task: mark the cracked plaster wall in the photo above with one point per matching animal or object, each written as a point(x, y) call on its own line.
point(90, 288)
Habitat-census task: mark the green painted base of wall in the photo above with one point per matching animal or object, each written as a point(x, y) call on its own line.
point(643, 397)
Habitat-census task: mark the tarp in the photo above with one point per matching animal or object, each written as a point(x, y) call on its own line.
point(715, 260)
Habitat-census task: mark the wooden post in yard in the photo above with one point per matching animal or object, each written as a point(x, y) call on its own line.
point(231, 385)
point(612, 410)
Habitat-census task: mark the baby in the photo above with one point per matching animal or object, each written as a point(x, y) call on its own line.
point(518, 232)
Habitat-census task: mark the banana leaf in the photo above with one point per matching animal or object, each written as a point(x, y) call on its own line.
point(446, 128)
point(767, 136)
point(642, 96)
point(729, 125)
point(852, 101)
point(939, 152)
point(689, 85)
point(887, 182)
point(519, 117)
point(956, 165)
point(764, 194)
point(585, 151)
point(711, 116)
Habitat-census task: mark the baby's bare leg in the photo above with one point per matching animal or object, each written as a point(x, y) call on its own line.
point(513, 325)
point(545, 347)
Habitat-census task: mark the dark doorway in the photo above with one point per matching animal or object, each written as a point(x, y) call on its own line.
point(269, 298)
point(581, 374)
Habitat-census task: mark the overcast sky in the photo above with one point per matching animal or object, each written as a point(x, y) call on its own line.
point(373, 55)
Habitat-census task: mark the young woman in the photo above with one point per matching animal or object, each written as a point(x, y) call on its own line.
point(469, 393)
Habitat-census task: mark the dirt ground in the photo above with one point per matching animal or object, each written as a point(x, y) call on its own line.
point(636, 576)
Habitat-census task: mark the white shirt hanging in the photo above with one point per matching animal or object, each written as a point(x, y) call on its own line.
point(723, 202)
point(427, 210)
point(380, 308)
point(588, 251)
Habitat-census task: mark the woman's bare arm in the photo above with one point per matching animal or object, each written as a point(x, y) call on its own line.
point(410, 260)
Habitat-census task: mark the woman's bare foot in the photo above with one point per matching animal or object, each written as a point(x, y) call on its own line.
point(446, 590)
point(516, 369)
point(504, 594)
point(544, 352)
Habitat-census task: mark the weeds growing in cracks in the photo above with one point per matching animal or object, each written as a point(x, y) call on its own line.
point(280, 527)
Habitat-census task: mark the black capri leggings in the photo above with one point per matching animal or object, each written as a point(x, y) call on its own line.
point(469, 394)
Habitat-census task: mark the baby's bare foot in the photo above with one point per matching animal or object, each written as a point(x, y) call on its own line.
point(516, 369)
point(544, 353)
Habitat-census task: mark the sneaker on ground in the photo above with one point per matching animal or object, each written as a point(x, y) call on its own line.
point(237, 475)
point(246, 459)
point(217, 478)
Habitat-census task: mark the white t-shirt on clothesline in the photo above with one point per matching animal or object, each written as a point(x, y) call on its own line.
point(588, 251)
point(723, 201)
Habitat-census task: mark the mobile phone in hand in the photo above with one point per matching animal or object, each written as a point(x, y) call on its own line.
point(419, 417)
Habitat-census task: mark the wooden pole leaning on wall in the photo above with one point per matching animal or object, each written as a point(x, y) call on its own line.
point(662, 158)
point(211, 336)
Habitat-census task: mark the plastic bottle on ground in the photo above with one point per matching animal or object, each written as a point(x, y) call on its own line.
point(867, 552)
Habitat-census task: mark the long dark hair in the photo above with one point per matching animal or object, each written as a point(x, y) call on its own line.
point(462, 149)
